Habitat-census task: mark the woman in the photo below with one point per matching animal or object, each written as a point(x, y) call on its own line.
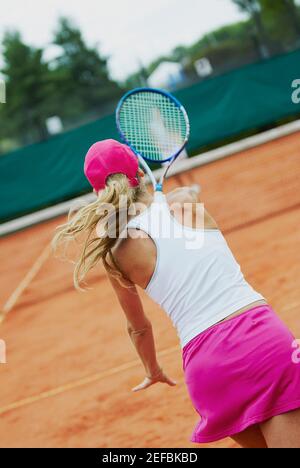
point(237, 354)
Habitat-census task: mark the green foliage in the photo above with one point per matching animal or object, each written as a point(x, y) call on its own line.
point(281, 20)
point(248, 6)
point(28, 91)
point(272, 27)
point(225, 47)
point(277, 22)
point(75, 86)
point(234, 37)
point(81, 75)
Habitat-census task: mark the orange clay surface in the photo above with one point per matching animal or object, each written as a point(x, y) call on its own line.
point(70, 365)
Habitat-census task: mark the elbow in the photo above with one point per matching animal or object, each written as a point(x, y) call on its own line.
point(133, 332)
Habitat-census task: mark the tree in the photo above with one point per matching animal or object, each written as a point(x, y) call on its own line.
point(75, 86)
point(81, 75)
point(252, 7)
point(281, 20)
point(293, 14)
point(28, 91)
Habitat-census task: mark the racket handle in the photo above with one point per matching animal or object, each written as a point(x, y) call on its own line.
point(148, 171)
point(158, 188)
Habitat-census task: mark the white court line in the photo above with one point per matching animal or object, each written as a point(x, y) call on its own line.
point(23, 285)
point(182, 166)
point(79, 383)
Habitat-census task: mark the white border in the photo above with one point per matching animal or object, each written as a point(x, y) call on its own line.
point(181, 166)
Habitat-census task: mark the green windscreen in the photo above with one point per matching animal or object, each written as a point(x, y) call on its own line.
point(223, 107)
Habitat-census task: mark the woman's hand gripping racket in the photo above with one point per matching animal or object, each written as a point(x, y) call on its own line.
point(155, 126)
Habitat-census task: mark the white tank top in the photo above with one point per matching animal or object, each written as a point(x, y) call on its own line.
point(197, 280)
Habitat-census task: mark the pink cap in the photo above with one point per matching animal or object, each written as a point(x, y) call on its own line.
point(109, 157)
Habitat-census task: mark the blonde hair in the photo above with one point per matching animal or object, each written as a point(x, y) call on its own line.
point(119, 195)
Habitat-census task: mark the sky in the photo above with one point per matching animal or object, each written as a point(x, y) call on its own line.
point(130, 32)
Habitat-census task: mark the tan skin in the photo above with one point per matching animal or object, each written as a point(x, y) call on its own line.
point(279, 432)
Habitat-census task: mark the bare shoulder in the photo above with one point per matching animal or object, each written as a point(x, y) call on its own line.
point(125, 248)
point(189, 199)
point(136, 256)
point(183, 195)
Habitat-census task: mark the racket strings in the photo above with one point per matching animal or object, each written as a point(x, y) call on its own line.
point(153, 125)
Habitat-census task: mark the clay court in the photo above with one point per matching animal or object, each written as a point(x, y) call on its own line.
point(70, 365)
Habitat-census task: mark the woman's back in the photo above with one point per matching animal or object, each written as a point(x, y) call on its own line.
point(191, 273)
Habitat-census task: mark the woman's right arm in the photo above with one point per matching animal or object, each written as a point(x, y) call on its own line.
point(141, 333)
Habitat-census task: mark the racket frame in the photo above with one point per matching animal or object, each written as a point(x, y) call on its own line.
point(143, 158)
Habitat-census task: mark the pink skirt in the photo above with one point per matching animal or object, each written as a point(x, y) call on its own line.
point(241, 372)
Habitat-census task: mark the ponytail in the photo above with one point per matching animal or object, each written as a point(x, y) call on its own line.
point(119, 195)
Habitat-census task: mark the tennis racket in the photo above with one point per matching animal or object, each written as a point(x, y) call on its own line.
point(155, 125)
